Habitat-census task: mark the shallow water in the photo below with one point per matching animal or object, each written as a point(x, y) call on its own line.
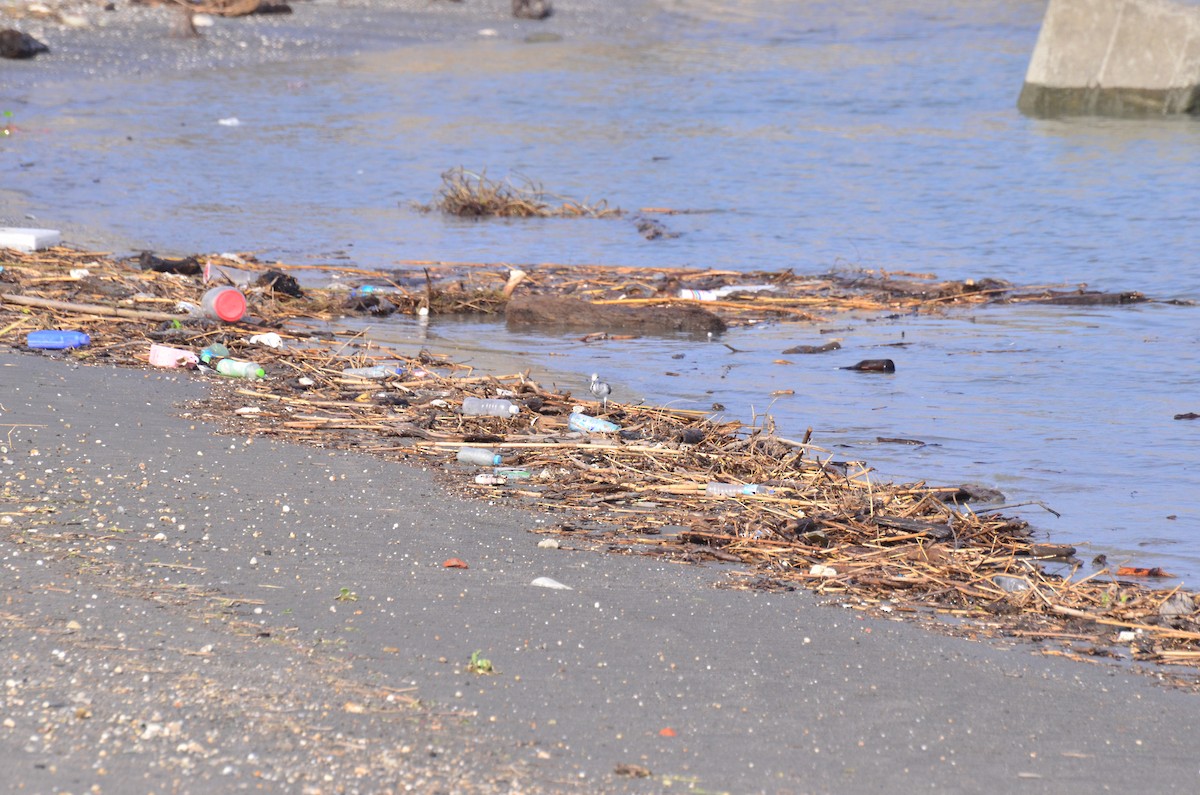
point(819, 136)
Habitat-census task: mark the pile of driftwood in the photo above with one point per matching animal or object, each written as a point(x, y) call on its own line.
point(657, 481)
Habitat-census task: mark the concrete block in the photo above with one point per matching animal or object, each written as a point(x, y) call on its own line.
point(28, 239)
point(1115, 58)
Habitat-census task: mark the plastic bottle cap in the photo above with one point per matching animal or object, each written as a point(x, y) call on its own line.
point(227, 304)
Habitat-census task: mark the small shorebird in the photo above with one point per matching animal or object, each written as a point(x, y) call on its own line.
point(601, 389)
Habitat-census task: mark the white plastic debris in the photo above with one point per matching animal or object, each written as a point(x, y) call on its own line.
point(23, 239)
point(79, 273)
point(1126, 637)
point(818, 570)
point(546, 582)
point(270, 339)
point(232, 121)
point(548, 543)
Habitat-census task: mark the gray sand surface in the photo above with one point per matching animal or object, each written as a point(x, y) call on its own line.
point(191, 612)
point(171, 623)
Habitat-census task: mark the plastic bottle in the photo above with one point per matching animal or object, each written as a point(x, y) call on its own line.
point(488, 407)
point(378, 371)
point(224, 303)
point(590, 424)
point(370, 289)
point(213, 352)
point(1011, 584)
point(478, 456)
point(235, 368)
point(734, 489)
point(56, 340)
point(721, 292)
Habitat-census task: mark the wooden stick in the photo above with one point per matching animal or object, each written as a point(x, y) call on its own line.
point(88, 309)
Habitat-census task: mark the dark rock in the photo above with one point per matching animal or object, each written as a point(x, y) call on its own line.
point(938, 530)
point(370, 303)
point(974, 492)
point(653, 230)
point(1095, 299)
point(873, 366)
point(188, 266)
point(1051, 550)
point(15, 44)
point(564, 312)
point(532, 9)
point(280, 282)
point(829, 346)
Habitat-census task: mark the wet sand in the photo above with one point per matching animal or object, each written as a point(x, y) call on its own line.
point(186, 611)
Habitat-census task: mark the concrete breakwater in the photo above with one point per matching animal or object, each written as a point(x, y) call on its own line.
point(1099, 57)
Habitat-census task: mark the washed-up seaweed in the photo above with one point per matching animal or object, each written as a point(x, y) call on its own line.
point(804, 519)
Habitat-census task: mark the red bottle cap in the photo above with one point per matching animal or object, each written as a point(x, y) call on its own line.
point(227, 304)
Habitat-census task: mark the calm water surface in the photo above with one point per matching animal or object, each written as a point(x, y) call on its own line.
point(819, 135)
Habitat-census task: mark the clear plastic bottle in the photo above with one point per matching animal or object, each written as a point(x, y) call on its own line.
point(378, 371)
point(489, 407)
point(721, 292)
point(715, 489)
point(213, 352)
point(590, 424)
point(479, 456)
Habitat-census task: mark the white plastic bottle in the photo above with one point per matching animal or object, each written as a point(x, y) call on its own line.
point(378, 371)
point(715, 489)
point(489, 407)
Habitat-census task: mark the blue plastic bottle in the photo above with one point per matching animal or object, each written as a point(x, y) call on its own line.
point(56, 339)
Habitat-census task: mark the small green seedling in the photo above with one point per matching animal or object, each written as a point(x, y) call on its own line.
point(479, 665)
point(346, 595)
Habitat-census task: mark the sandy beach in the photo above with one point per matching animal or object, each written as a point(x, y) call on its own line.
point(187, 610)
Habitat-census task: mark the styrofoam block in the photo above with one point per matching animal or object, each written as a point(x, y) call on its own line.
point(28, 239)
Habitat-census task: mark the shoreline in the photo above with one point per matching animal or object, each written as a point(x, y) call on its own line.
point(226, 575)
point(762, 692)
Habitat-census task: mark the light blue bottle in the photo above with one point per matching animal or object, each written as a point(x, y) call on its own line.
point(589, 424)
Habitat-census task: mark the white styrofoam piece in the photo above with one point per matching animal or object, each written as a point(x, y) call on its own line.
point(28, 239)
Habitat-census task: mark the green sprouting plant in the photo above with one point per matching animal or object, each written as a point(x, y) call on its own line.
point(479, 665)
point(346, 595)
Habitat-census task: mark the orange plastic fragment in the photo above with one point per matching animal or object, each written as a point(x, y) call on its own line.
point(1141, 571)
point(455, 563)
point(667, 732)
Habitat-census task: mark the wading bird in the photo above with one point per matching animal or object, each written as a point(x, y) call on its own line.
point(601, 389)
